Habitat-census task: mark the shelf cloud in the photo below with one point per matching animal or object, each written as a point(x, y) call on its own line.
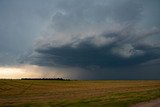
point(106, 36)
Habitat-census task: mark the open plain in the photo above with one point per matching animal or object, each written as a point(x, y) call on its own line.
point(61, 93)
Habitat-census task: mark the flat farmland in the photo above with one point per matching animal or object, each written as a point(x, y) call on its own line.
point(99, 93)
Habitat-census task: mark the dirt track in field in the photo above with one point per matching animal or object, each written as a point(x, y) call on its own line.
point(152, 103)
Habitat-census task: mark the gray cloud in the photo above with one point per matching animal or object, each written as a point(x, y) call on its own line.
point(105, 35)
point(20, 23)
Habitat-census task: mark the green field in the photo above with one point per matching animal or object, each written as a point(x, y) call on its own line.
point(48, 93)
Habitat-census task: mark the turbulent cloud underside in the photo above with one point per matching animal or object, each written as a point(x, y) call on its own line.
point(98, 34)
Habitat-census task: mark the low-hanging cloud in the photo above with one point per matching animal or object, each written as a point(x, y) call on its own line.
point(103, 34)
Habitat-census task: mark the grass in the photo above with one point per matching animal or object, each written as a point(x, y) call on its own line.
point(42, 93)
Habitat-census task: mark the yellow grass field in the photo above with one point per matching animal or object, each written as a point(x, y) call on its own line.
point(100, 93)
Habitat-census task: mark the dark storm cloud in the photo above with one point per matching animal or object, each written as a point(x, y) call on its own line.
point(87, 54)
point(93, 35)
point(97, 34)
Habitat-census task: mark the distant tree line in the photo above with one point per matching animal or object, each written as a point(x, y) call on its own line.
point(45, 79)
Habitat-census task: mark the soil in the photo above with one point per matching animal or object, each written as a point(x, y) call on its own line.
point(152, 103)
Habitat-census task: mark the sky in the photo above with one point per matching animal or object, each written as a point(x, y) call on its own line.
point(80, 39)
